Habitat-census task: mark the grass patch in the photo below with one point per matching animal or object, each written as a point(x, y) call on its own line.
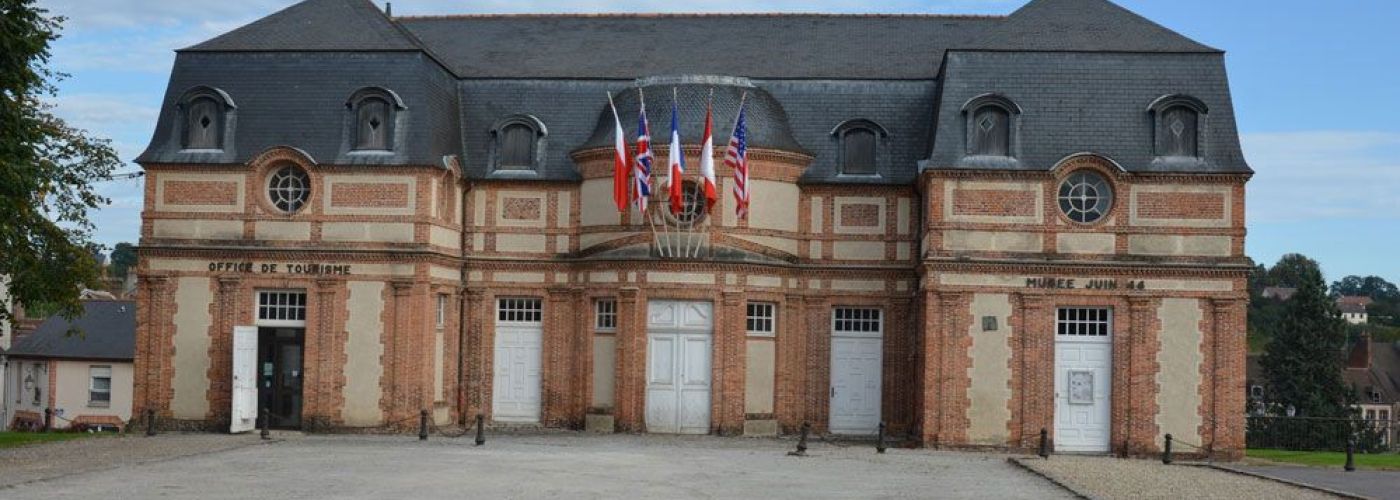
point(1382, 461)
point(13, 439)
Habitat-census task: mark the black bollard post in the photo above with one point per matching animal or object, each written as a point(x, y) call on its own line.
point(1351, 461)
point(802, 441)
point(150, 421)
point(1167, 451)
point(1044, 443)
point(266, 432)
point(48, 419)
point(423, 425)
point(480, 429)
point(880, 439)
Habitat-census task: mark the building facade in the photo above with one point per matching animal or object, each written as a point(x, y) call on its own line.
point(68, 380)
point(1004, 224)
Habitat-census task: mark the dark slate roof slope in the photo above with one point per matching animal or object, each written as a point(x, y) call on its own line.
point(1075, 102)
point(315, 25)
point(1081, 26)
point(299, 100)
point(106, 330)
point(628, 46)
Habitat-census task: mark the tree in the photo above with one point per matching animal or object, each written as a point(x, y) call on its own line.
point(47, 171)
point(1290, 270)
point(1375, 287)
point(123, 258)
point(1303, 361)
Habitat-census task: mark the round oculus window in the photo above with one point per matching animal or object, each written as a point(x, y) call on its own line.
point(288, 189)
point(693, 208)
point(1085, 196)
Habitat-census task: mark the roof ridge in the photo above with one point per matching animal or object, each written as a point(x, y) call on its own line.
point(588, 15)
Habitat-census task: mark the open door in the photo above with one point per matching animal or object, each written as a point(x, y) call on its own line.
point(244, 415)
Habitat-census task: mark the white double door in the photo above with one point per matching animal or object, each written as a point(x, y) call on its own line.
point(855, 383)
point(1083, 385)
point(679, 340)
point(515, 391)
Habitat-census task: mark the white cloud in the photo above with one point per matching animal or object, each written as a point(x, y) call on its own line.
point(1323, 175)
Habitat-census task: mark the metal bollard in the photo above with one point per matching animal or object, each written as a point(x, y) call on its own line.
point(802, 441)
point(1044, 443)
point(1167, 451)
point(48, 419)
point(880, 439)
point(1351, 461)
point(150, 421)
point(423, 425)
point(480, 429)
point(266, 431)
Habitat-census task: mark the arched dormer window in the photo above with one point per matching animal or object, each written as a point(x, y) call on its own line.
point(204, 118)
point(858, 146)
point(518, 143)
point(373, 112)
point(1178, 125)
point(991, 125)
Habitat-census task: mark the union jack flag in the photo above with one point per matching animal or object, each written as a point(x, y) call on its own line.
point(736, 157)
point(641, 169)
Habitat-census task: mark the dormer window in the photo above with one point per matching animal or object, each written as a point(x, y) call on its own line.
point(991, 126)
point(517, 143)
point(858, 146)
point(204, 118)
point(373, 111)
point(1178, 126)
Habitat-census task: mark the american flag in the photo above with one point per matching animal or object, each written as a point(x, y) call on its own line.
point(641, 169)
point(736, 157)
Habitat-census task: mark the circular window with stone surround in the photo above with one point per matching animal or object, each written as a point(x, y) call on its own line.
point(288, 188)
point(693, 209)
point(1085, 196)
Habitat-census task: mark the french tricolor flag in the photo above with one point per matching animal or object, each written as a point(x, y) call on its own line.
point(677, 158)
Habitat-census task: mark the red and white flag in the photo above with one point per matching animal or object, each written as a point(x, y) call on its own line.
point(707, 162)
point(621, 164)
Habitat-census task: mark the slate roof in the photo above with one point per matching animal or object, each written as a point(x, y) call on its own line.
point(1080, 26)
point(315, 25)
point(106, 330)
point(1084, 71)
point(1382, 373)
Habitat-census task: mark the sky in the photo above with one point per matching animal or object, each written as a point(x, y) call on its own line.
point(1316, 87)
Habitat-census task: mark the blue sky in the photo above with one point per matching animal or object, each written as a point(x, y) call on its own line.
point(1316, 90)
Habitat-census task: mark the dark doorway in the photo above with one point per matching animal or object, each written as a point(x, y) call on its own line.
point(280, 374)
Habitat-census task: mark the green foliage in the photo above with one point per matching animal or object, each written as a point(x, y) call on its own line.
point(1303, 360)
point(123, 259)
point(1382, 461)
point(1375, 287)
point(46, 189)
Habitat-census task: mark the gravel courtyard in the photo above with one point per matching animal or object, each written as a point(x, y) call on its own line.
point(563, 465)
point(573, 465)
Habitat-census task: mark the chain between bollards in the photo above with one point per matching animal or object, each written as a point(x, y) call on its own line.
point(802, 441)
point(1044, 443)
point(1167, 451)
point(423, 425)
point(150, 421)
point(880, 439)
point(1351, 461)
point(266, 432)
point(480, 429)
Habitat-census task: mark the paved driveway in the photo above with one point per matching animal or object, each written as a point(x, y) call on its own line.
point(1376, 484)
point(564, 465)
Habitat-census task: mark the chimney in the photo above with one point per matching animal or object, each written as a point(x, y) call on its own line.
point(1360, 357)
point(388, 9)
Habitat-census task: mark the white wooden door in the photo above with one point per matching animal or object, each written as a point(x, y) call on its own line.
point(244, 414)
point(856, 355)
point(678, 367)
point(515, 390)
point(1083, 380)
